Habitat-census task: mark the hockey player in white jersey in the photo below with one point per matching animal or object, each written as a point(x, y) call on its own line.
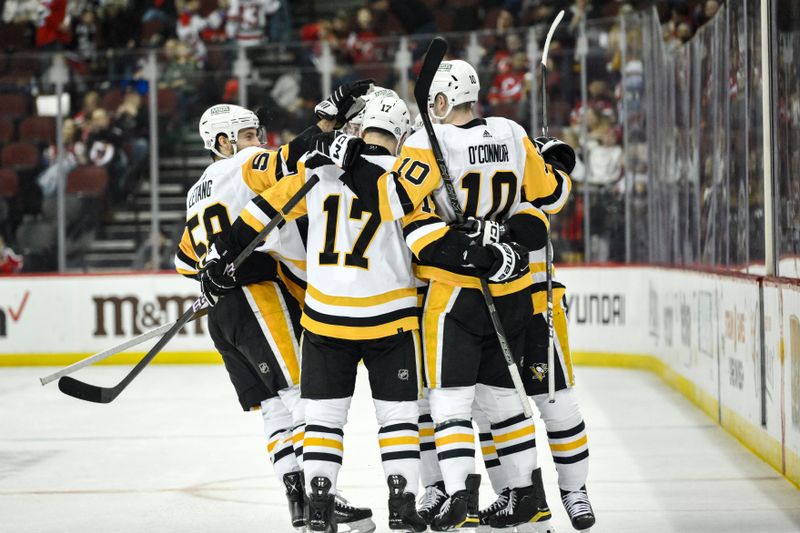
point(256, 327)
point(494, 166)
point(361, 304)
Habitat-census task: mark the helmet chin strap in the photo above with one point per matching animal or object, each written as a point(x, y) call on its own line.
point(447, 112)
point(223, 156)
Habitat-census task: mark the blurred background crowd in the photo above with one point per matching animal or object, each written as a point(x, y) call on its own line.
point(207, 49)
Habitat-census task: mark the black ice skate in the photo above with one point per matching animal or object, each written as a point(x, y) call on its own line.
point(352, 519)
point(320, 506)
point(498, 505)
point(295, 495)
point(526, 510)
point(403, 514)
point(460, 511)
point(431, 502)
point(579, 509)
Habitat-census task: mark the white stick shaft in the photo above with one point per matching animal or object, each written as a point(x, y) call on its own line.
point(130, 343)
point(549, 38)
point(520, 388)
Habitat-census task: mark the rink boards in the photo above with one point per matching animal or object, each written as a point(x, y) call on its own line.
point(701, 332)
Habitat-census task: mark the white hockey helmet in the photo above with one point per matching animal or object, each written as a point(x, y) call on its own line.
point(389, 114)
point(228, 119)
point(353, 127)
point(457, 81)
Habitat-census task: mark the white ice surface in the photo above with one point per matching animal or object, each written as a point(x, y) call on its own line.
point(173, 453)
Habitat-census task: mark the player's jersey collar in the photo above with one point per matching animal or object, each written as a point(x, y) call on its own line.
point(473, 123)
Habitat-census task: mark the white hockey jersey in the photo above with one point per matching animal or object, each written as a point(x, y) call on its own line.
point(214, 202)
point(492, 162)
point(361, 283)
point(247, 19)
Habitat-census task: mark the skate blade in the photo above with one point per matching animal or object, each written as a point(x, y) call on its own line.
point(532, 527)
point(359, 526)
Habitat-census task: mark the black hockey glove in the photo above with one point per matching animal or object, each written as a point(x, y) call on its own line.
point(341, 148)
point(482, 231)
point(217, 276)
point(344, 103)
point(556, 153)
point(500, 262)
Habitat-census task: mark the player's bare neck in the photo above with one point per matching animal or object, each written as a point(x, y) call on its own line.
point(459, 118)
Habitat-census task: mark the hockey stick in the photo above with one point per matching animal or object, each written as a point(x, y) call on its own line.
point(92, 393)
point(130, 343)
point(433, 57)
point(551, 363)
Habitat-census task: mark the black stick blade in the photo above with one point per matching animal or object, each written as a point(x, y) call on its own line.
point(433, 57)
point(82, 391)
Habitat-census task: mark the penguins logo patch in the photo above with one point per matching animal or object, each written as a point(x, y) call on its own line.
point(263, 368)
point(402, 374)
point(539, 371)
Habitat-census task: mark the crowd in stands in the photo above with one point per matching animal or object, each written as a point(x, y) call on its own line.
point(104, 42)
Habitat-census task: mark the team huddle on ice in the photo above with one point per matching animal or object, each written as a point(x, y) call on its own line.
point(370, 263)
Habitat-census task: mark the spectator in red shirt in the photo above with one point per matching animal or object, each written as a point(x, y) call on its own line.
point(53, 27)
point(10, 262)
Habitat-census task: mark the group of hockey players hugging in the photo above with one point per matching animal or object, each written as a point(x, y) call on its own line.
point(370, 264)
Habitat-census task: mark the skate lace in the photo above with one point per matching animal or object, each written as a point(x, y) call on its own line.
point(499, 503)
point(445, 508)
point(512, 501)
point(577, 502)
point(343, 503)
point(431, 497)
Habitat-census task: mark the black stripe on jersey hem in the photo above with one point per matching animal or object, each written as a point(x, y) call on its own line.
point(294, 279)
point(323, 429)
point(377, 320)
point(186, 259)
point(509, 422)
point(327, 457)
point(542, 286)
point(283, 453)
point(454, 424)
point(492, 463)
point(571, 459)
point(396, 456)
point(398, 427)
point(427, 446)
point(547, 200)
point(452, 454)
point(425, 419)
point(484, 436)
point(402, 195)
point(521, 447)
point(298, 426)
point(566, 433)
point(298, 451)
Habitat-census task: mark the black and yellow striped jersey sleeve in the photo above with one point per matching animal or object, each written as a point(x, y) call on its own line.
point(262, 170)
point(396, 193)
point(547, 188)
point(186, 260)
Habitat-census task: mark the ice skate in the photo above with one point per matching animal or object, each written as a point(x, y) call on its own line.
point(526, 510)
point(498, 505)
point(431, 502)
point(320, 506)
point(460, 511)
point(578, 508)
point(403, 514)
point(296, 498)
point(351, 519)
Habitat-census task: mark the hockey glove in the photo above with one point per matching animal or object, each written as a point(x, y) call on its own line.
point(481, 231)
point(344, 103)
point(217, 277)
point(556, 153)
point(500, 262)
point(342, 149)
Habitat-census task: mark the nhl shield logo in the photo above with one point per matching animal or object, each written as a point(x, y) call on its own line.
point(402, 374)
point(539, 371)
point(263, 368)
